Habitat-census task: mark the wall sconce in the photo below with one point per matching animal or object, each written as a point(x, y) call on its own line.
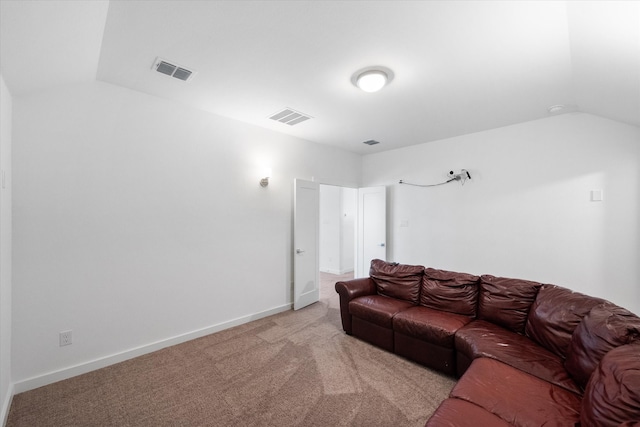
point(265, 181)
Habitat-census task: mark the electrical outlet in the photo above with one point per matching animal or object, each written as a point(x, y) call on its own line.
point(65, 338)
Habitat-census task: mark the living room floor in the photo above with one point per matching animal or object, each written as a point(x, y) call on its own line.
point(296, 368)
point(328, 281)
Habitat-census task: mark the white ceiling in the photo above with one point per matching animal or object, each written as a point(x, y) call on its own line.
point(44, 44)
point(460, 67)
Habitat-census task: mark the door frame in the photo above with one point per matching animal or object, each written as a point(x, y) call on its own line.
point(356, 249)
point(362, 270)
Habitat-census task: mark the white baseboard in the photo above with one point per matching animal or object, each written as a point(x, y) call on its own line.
point(83, 368)
point(6, 405)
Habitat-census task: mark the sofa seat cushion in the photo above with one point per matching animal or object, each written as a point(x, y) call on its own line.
point(450, 291)
point(484, 339)
point(605, 327)
point(460, 413)
point(377, 309)
point(517, 397)
point(506, 302)
point(554, 316)
point(612, 396)
point(435, 326)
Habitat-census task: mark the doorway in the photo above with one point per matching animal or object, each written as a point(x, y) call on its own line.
point(337, 234)
point(338, 216)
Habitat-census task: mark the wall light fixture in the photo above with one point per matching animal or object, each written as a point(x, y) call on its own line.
point(265, 181)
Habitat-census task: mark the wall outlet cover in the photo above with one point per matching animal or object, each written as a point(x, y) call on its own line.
point(65, 338)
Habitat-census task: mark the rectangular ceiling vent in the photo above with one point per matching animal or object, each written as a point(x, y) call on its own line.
point(371, 142)
point(290, 117)
point(172, 70)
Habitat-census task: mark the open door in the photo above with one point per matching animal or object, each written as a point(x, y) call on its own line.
point(306, 222)
point(372, 228)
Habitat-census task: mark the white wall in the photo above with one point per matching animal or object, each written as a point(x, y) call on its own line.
point(6, 386)
point(526, 213)
point(139, 223)
point(138, 220)
point(330, 228)
point(338, 209)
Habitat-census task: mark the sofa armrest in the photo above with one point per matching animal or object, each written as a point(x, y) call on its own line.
point(349, 290)
point(355, 288)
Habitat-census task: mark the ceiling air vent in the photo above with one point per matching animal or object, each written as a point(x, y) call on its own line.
point(290, 117)
point(371, 142)
point(173, 70)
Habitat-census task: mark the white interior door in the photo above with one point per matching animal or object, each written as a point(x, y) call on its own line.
point(306, 219)
point(372, 228)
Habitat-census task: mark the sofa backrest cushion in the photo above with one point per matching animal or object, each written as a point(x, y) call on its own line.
point(605, 327)
point(506, 302)
point(555, 314)
point(395, 280)
point(612, 396)
point(450, 291)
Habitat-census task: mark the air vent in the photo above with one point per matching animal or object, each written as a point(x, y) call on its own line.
point(371, 142)
point(289, 117)
point(173, 70)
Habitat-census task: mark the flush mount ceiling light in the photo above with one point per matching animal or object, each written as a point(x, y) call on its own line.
point(372, 79)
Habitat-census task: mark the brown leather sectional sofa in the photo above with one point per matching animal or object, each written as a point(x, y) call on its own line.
point(526, 354)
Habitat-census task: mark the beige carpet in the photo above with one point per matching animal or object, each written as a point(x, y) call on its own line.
point(292, 369)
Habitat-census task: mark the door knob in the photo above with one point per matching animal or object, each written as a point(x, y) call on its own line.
point(299, 251)
point(382, 244)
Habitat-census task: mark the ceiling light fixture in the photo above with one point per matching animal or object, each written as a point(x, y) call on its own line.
point(372, 79)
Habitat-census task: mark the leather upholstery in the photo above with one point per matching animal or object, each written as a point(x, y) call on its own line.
point(450, 291)
point(426, 336)
point(356, 288)
point(605, 327)
point(426, 353)
point(430, 325)
point(517, 397)
point(511, 357)
point(555, 314)
point(506, 302)
point(483, 339)
point(377, 335)
point(460, 413)
point(377, 309)
point(397, 280)
point(353, 289)
point(613, 392)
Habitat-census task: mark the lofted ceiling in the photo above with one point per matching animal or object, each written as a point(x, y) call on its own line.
point(459, 66)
